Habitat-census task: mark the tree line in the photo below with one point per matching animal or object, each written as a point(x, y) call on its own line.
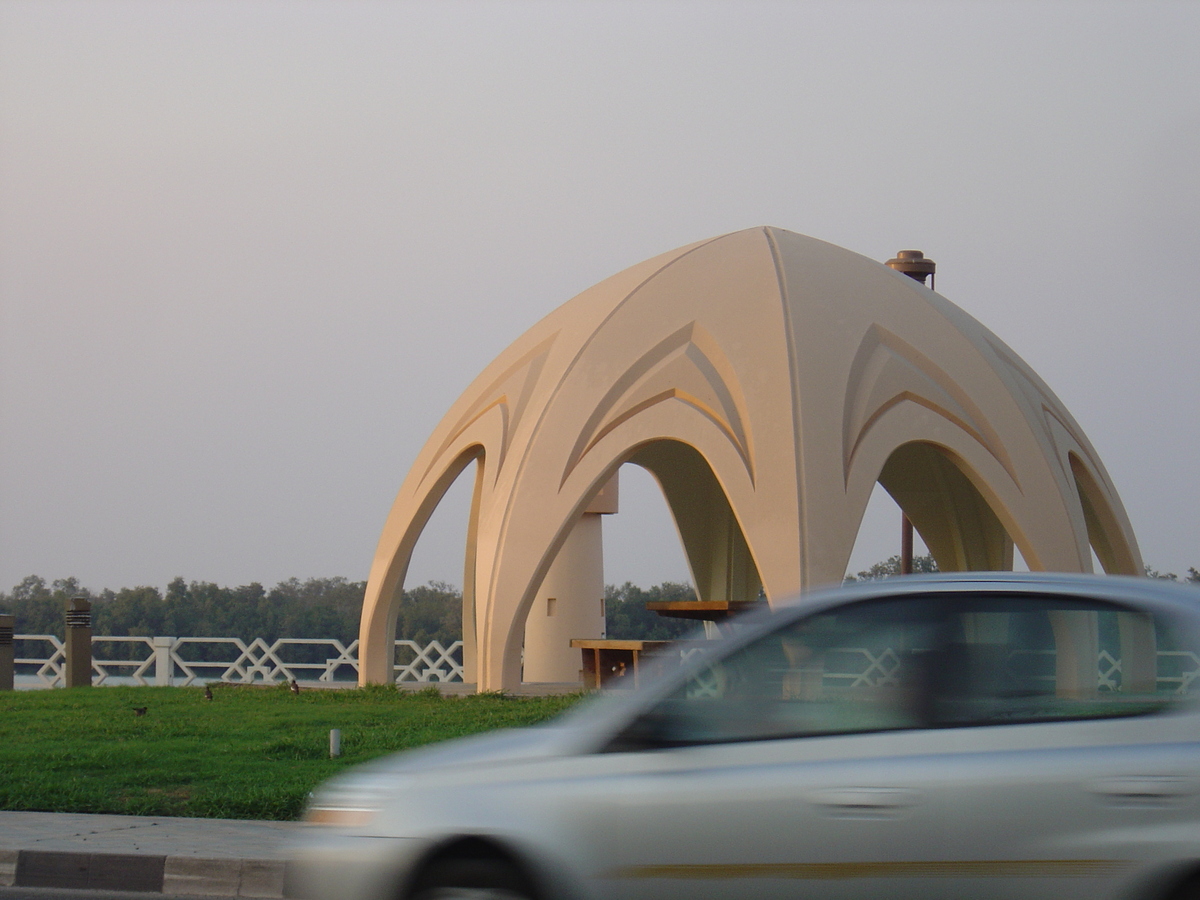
point(314, 608)
point(923, 565)
point(331, 607)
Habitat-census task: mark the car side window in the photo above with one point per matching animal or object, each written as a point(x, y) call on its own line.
point(930, 662)
point(1029, 659)
point(861, 667)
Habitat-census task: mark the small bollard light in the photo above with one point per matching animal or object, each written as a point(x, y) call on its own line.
point(78, 647)
point(6, 653)
point(335, 743)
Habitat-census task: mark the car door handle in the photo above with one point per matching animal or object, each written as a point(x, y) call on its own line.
point(865, 799)
point(1143, 788)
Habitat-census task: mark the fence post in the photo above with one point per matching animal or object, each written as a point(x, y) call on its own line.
point(163, 667)
point(6, 653)
point(79, 643)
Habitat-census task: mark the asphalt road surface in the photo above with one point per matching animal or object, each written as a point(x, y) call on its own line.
point(28, 893)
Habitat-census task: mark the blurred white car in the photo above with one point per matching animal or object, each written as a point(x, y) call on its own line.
point(971, 737)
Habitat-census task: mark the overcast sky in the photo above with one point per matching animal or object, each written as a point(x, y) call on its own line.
point(251, 252)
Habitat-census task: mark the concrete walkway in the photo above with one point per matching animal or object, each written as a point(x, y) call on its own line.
point(143, 853)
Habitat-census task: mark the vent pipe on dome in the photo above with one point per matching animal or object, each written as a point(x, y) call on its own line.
point(914, 264)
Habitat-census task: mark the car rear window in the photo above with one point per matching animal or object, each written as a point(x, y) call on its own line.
point(1020, 659)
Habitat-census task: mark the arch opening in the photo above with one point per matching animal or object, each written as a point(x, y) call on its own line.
point(1104, 532)
point(381, 628)
point(878, 543)
point(568, 602)
point(717, 552)
point(956, 522)
point(634, 549)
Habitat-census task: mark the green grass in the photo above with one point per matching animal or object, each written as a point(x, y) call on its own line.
point(251, 753)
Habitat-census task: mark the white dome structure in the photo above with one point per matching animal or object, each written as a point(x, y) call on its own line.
point(768, 381)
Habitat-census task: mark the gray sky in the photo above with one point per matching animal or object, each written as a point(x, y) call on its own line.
point(251, 252)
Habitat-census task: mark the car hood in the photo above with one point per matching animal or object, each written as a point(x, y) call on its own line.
point(578, 731)
point(493, 748)
point(366, 785)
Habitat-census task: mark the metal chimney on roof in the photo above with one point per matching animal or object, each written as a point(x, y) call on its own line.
point(913, 264)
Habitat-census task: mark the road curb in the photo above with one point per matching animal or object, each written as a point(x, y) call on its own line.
point(196, 876)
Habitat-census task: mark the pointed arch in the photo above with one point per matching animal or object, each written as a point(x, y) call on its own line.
point(718, 553)
point(377, 628)
point(957, 523)
point(1104, 531)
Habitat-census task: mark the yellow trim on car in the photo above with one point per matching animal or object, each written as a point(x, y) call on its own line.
point(342, 816)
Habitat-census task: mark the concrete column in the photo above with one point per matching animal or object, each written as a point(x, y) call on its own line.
point(570, 602)
point(79, 643)
point(1139, 653)
point(6, 653)
point(1076, 648)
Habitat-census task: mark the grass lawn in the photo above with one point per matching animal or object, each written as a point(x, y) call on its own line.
point(250, 753)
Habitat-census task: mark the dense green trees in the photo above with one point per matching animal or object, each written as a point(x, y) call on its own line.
point(922, 565)
point(330, 608)
point(316, 608)
point(431, 612)
point(1193, 576)
point(926, 564)
point(627, 618)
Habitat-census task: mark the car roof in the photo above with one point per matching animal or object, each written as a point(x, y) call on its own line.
point(1137, 590)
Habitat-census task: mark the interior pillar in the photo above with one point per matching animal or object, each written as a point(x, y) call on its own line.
point(570, 602)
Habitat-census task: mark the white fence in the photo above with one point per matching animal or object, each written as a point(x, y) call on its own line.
point(182, 661)
point(173, 661)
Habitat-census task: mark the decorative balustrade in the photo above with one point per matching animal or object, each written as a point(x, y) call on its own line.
point(182, 661)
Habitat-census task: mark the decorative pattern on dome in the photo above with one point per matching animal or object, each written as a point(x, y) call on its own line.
point(686, 367)
point(887, 372)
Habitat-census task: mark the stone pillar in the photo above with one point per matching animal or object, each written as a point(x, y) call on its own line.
point(79, 643)
point(570, 602)
point(6, 653)
point(163, 666)
point(1076, 648)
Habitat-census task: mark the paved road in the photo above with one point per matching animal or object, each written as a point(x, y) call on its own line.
point(24, 893)
point(209, 857)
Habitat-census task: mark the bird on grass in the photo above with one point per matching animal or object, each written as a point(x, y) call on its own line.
point(294, 686)
point(140, 710)
point(207, 692)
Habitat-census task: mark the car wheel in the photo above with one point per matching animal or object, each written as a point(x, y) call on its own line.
point(473, 879)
